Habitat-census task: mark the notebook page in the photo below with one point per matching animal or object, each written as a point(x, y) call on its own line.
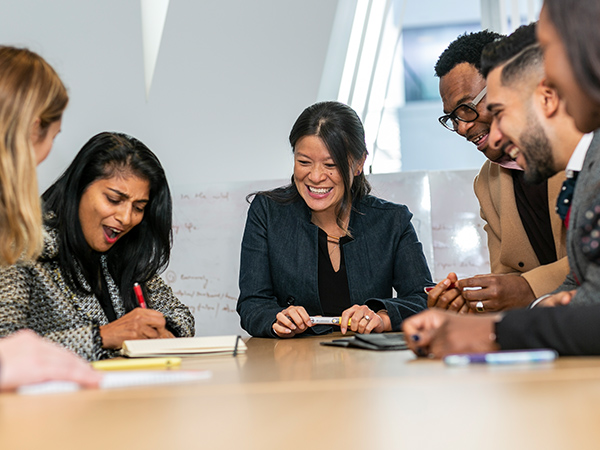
point(121, 379)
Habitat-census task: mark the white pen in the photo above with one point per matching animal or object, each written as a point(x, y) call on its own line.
point(320, 320)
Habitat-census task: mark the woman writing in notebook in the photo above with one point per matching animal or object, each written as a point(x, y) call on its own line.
point(108, 224)
point(32, 101)
point(323, 246)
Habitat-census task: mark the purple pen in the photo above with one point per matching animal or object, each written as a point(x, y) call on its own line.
point(502, 357)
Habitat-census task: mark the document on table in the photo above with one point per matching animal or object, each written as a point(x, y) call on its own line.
point(116, 380)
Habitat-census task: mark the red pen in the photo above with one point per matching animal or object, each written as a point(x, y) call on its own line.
point(140, 296)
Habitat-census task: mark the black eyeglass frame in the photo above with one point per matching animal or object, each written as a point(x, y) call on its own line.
point(454, 118)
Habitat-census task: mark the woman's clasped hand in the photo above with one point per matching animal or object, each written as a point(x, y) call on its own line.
point(359, 319)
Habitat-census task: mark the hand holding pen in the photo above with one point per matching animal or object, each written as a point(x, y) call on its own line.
point(362, 319)
point(358, 318)
point(436, 333)
point(140, 323)
point(495, 292)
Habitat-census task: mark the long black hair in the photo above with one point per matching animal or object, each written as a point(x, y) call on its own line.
point(139, 255)
point(576, 22)
point(342, 132)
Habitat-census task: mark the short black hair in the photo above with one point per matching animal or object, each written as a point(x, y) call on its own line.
point(502, 50)
point(465, 48)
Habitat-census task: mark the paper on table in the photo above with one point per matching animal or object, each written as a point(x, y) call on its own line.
point(116, 380)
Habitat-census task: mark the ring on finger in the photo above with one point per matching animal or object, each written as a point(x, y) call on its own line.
point(367, 317)
point(479, 307)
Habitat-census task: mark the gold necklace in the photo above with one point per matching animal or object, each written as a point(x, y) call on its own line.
point(335, 241)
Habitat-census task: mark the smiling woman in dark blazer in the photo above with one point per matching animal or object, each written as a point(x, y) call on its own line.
point(323, 246)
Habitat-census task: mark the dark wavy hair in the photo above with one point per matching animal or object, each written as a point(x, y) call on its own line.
point(342, 132)
point(576, 22)
point(465, 48)
point(142, 252)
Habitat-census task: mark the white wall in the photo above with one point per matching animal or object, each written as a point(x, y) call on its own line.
point(231, 78)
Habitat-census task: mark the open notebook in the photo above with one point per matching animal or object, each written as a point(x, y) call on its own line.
point(214, 345)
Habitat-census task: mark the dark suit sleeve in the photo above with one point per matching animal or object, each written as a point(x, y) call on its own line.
point(570, 330)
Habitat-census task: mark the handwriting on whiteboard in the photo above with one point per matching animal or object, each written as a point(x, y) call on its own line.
point(212, 309)
point(205, 196)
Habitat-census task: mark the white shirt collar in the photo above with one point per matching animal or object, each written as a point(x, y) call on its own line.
point(575, 164)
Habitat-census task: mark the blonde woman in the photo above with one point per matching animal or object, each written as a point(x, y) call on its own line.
point(32, 100)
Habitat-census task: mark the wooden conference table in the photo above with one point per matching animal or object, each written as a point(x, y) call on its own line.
point(296, 394)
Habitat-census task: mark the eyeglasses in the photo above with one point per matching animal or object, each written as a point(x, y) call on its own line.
point(465, 112)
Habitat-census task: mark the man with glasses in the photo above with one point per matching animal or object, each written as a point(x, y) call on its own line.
point(526, 238)
point(529, 114)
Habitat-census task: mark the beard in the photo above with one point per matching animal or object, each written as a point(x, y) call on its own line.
point(537, 153)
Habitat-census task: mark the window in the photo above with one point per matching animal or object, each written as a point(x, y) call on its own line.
point(388, 75)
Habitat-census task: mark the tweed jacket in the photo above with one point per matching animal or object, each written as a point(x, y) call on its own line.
point(35, 295)
point(508, 244)
point(279, 262)
point(585, 269)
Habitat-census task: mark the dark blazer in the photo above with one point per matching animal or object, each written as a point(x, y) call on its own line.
point(279, 262)
point(572, 329)
point(585, 272)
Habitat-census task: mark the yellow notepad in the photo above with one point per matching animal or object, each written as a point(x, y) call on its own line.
point(214, 345)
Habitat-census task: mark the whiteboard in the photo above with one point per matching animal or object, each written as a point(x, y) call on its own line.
point(209, 219)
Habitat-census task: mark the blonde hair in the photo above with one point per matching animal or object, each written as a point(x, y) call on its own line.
point(29, 90)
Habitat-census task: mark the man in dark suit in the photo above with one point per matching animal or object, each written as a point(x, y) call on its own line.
point(528, 112)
